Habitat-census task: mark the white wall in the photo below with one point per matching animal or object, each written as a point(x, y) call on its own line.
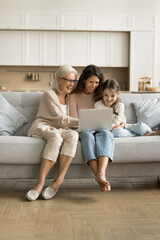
point(102, 6)
point(98, 6)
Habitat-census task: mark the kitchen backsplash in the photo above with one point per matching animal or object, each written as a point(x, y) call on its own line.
point(40, 78)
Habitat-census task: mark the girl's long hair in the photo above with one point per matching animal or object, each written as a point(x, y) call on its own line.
point(89, 71)
point(112, 84)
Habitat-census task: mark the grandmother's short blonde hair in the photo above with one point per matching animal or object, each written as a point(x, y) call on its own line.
point(62, 72)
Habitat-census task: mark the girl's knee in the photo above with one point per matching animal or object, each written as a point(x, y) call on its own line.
point(144, 128)
point(117, 130)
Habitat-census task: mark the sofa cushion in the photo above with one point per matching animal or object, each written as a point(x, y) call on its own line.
point(10, 119)
point(21, 150)
point(26, 103)
point(148, 111)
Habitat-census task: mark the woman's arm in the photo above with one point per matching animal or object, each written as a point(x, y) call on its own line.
point(50, 111)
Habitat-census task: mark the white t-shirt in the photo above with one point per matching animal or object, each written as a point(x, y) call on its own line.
point(119, 108)
point(64, 109)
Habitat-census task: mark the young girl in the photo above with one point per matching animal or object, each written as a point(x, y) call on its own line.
point(110, 98)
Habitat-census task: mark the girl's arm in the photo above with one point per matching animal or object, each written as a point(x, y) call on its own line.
point(119, 118)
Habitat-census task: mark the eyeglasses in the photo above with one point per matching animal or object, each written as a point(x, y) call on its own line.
point(70, 81)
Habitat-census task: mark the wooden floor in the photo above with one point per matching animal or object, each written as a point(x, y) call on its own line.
point(129, 211)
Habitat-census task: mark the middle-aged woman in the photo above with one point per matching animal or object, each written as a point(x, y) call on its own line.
point(97, 147)
point(54, 125)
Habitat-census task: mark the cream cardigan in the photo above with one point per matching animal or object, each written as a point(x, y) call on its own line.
point(50, 113)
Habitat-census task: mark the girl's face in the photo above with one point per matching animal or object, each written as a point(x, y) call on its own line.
point(109, 97)
point(67, 84)
point(91, 84)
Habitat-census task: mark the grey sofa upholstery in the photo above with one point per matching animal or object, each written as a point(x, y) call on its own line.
point(20, 156)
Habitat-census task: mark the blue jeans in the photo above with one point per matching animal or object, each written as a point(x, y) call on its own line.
point(131, 130)
point(96, 144)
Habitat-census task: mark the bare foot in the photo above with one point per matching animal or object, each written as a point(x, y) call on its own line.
point(153, 133)
point(103, 183)
point(104, 188)
point(157, 132)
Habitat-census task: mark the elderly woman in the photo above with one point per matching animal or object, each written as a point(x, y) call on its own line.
point(55, 125)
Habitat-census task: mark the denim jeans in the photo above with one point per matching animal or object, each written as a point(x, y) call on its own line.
point(95, 144)
point(131, 130)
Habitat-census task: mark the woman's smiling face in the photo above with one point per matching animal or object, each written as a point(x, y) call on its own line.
point(91, 84)
point(67, 84)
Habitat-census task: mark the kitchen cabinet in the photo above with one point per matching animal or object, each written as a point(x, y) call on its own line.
point(144, 22)
point(75, 21)
point(118, 49)
point(33, 48)
point(41, 21)
point(11, 47)
point(100, 48)
point(78, 21)
point(110, 49)
point(41, 48)
point(74, 48)
point(12, 21)
point(142, 57)
point(50, 48)
point(54, 48)
point(111, 22)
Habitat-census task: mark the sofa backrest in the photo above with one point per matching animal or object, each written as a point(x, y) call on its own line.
point(27, 103)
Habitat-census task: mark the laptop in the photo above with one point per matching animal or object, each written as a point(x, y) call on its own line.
point(95, 119)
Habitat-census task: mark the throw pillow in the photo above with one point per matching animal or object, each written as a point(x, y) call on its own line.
point(10, 119)
point(148, 111)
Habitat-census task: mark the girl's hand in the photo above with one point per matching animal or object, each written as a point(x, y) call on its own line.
point(122, 125)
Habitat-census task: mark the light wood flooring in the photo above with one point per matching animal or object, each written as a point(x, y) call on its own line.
point(131, 211)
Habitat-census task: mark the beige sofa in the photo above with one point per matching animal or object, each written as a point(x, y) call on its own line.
point(20, 156)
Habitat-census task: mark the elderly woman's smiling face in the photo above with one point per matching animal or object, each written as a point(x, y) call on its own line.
point(67, 83)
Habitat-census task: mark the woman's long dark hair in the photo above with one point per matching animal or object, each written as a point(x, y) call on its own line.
point(112, 84)
point(89, 71)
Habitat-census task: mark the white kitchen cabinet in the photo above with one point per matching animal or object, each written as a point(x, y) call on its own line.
point(75, 21)
point(110, 22)
point(50, 55)
point(30, 48)
point(142, 57)
point(144, 22)
point(74, 48)
point(40, 21)
point(41, 48)
point(118, 49)
point(110, 49)
point(33, 48)
point(11, 47)
point(100, 48)
point(53, 48)
point(11, 20)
